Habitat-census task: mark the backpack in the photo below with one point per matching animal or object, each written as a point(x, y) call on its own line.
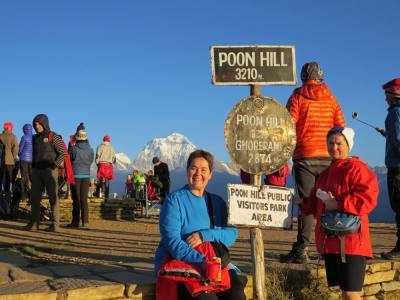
point(67, 169)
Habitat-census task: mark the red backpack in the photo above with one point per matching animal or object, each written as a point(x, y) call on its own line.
point(66, 171)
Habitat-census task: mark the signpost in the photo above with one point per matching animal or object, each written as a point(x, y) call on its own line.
point(244, 65)
point(249, 206)
point(259, 133)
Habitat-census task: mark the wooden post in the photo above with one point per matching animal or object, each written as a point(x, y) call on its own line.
point(256, 238)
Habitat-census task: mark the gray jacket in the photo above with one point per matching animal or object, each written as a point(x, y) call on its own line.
point(11, 147)
point(105, 153)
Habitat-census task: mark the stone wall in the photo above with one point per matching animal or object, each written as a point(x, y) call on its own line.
point(382, 281)
point(112, 209)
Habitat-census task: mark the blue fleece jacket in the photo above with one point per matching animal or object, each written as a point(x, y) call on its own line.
point(82, 156)
point(392, 126)
point(182, 214)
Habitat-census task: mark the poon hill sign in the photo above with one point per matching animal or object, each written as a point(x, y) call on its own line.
point(244, 65)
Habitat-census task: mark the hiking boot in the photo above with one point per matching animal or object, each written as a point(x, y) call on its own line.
point(32, 226)
point(295, 256)
point(52, 228)
point(393, 254)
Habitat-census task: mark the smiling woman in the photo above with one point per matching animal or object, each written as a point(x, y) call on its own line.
point(190, 220)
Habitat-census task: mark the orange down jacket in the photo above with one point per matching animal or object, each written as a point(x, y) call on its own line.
point(355, 188)
point(314, 110)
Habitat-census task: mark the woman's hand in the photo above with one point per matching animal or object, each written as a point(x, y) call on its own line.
point(330, 203)
point(194, 239)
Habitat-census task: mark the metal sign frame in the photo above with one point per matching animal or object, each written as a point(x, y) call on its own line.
point(257, 82)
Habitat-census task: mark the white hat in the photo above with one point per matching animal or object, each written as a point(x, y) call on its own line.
point(347, 132)
point(81, 135)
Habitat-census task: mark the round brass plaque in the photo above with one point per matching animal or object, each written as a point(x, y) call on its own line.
point(260, 135)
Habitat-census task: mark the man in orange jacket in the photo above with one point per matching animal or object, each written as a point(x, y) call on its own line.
point(314, 110)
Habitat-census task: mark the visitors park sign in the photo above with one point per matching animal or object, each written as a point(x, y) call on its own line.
point(251, 206)
point(244, 65)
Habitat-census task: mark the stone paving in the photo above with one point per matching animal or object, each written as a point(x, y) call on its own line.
point(18, 280)
point(97, 269)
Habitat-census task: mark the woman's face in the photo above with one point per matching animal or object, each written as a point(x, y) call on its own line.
point(198, 175)
point(337, 147)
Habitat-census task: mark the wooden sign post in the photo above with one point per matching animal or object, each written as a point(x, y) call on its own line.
point(256, 238)
point(259, 132)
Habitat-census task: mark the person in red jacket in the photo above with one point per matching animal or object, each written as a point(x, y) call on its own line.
point(278, 178)
point(351, 187)
point(314, 110)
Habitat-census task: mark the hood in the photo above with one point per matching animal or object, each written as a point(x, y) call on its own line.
point(27, 129)
point(313, 90)
point(43, 120)
point(82, 144)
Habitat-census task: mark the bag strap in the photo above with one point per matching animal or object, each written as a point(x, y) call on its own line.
point(210, 209)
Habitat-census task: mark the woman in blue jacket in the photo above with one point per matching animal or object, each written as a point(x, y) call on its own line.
point(25, 160)
point(82, 156)
point(185, 224)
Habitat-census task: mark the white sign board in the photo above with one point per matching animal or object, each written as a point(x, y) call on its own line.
point(269, 207)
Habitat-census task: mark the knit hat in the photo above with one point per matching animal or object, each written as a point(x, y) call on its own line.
point(8, 126)
point(347, 132)
point(81, 126)
point(81, 135)
point(106, 138)
point(393, 87)
point(311, 71)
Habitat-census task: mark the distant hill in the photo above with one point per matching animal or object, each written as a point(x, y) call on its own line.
point(175, 149)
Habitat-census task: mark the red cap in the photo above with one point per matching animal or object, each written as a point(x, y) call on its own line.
point(8, 126)
point(106, 138)
point(393, 87)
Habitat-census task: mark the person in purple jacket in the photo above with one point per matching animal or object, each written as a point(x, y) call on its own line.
point(25, 157)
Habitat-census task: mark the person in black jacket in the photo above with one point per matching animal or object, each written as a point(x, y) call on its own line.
point(47, 156)
point(161, 171)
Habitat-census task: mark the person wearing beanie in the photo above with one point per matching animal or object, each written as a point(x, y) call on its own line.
point(25, 160)
point(314, 110)
point(82, 156)
point(8, 158)
point(348, 185)
point(392, 156)
point(105, 158)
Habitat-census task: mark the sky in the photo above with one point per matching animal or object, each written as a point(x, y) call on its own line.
point(137, 70)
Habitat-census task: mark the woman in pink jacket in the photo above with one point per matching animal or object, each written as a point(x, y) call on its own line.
point(350, 187)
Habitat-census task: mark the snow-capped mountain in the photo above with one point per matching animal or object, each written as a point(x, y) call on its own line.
point(123, 163)
point(174, 150)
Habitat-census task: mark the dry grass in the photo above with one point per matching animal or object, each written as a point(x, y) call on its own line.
point(284, 284)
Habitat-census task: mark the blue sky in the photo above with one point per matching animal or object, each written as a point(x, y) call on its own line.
point(141, 69)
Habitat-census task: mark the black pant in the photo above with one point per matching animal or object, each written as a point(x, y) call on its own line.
point(306, 172)
point(6, 174)
point(236, 292)
point(80, 191)
point(166, 183)
point(26, 178)
point(104, 186)
point(393, 182)
point(44, 178)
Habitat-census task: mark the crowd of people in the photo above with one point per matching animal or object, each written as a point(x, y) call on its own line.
point(193, 222)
